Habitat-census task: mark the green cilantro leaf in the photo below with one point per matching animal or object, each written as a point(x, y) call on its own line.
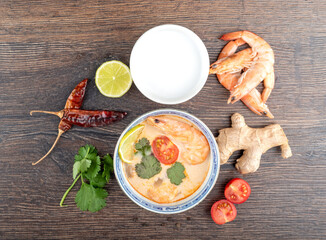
point(94, 173)
point(84, 159)
point(82, 196)
point(81, 166)
point(107, 167)
point(98, 181)
point(75, 169)
point(85, 152)
point(90, 198)
point(141, 143)
point(176, 173)
point(148, 167)
point(98, 201)
point(143, 146)
point(94, 169)
point(85, 164)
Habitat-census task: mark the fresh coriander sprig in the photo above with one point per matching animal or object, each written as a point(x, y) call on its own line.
point(143, 146)
point(89, 167)
point(176, 173)
point(148, 167)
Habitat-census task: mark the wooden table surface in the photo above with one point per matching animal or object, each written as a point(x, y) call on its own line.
point(48, 46)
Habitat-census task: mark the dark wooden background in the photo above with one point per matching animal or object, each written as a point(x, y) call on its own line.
point(48, 46)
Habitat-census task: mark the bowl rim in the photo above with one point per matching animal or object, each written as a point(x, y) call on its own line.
point(184, 204)
point(204, 56)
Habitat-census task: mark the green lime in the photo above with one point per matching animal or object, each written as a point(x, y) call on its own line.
point(126, 147)
point(113, 79)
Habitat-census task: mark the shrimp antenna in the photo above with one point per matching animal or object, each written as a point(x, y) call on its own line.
point(55, 142)
point(59, 114)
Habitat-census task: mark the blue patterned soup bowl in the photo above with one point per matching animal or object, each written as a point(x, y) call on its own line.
point(186, 203)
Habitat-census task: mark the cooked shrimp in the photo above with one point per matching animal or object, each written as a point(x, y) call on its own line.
point(260, 67)
point(254, 102)
point(253, 99)
point(268, 85)
point(232, 63)
point(165, 193)
point(229, 80)
point(196, 147)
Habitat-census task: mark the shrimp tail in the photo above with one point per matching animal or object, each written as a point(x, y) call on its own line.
point(269, 82)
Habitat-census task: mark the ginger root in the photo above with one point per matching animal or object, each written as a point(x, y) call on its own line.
point(254, 142)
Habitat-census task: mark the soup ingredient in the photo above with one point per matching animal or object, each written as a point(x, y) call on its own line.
point(231, 62)
point(229, 80)
point(148, 167)
point(113, 79)
point(76, 97)
point(165, 193)
point(165, 150)
point(94, 173)
point(196, 147)
point(254, 142)
point(73, 115)
point(237, 191)
point(176, 173)
point(90, 198)
point(143, 146)
point(260, 68)
point(107, 164)
point(126, 146)
point(75, 101)
point(223, 211)
point(87, 118)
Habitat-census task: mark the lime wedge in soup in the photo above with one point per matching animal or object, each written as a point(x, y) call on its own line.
point(126, 147)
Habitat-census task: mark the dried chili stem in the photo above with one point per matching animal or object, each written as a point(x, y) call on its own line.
point(60, 132)
point(59, 114)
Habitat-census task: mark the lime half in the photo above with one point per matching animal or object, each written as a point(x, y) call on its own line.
point(126, 147)
point(113, 79)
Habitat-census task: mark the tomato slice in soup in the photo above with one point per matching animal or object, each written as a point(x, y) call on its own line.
point(223, 211)
point(165, 150)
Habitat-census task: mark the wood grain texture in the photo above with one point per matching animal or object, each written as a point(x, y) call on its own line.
point(48, 46)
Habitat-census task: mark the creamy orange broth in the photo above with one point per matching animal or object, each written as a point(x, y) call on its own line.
point(159, 188)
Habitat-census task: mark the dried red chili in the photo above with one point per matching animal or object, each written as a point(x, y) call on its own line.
point(76, 97)
point(87, 118)
point(73, 115)
point(75, 100)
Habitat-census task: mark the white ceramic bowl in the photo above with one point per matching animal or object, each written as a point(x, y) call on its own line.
point(184, 204)
point(169, 64)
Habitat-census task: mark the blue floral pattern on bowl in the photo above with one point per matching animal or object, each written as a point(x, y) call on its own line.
point(187, 203)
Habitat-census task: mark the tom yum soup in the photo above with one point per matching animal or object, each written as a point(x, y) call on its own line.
point(166, 158)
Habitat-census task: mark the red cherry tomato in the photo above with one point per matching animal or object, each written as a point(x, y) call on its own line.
point(165, 150)
point(223, 211)
point(237, 191)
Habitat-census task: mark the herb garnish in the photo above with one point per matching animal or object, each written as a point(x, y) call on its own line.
point(90, 167)
point(148, 167)
point(143, 146)
point(176, 173)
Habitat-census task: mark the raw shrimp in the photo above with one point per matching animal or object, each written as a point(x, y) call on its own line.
point(253, 99)
point(196, 147)
point(260, 68)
